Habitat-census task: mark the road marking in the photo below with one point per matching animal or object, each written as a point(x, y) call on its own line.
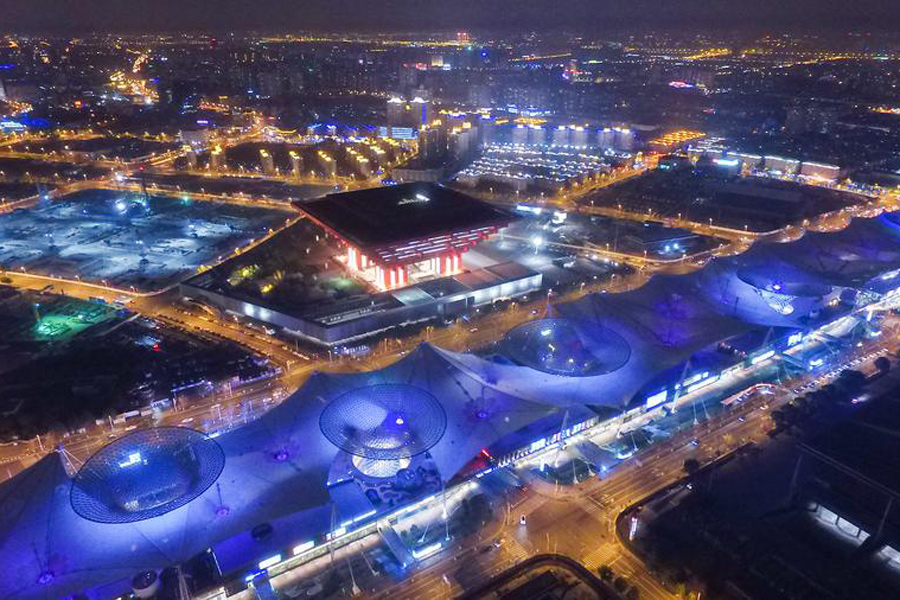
point(606, 554)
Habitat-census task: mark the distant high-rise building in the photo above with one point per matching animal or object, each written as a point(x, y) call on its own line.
point(395, 111)
point(422, 108)
point(487, 130)
point(414, 113)
point(624, 139)
point(520, 135)
point(606, 138)
point(296, 164)
point(327, 164)
point(268, 163)
point(578, 136)
point(430, 143)
point(217, 159)
point(271, 84)
point(480, 95)
point(537, 135)
point(191, 156)
point(560, 136)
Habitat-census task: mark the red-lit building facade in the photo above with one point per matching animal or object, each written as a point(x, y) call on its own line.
point(398, 235)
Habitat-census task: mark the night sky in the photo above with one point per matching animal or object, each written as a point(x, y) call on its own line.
point(83, 16)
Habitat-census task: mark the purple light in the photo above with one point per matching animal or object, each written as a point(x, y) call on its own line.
point(45, 578)
point(282, 455)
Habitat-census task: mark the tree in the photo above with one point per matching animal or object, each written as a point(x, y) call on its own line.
point(691, 466)
point(778, 417)
point(790, 411)
point(851, 380)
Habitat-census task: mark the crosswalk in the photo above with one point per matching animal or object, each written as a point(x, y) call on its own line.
point(592, 506)
point(604, 555)
point(514, 550)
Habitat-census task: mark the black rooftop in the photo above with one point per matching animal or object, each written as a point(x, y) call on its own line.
point(393, 214)
point(865, 443)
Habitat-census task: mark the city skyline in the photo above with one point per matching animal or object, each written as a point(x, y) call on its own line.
point(223, 16)
point(459, 312)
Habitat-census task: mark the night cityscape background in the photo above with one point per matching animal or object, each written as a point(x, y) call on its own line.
point(415, 299)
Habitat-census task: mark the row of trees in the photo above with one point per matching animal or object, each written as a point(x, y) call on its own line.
point(847, 386)
point(619, 583)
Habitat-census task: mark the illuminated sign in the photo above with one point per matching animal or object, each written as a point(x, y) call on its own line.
point(419, 553)
point(301, 548)
point(529, 209)
point(694, 378)
point(761, 357)
point(11, 126)
point(133, 459)
point(656, 399)
point(398, 133)
point(702, 384)
point(270, 562)
point(727, 162)
point(365, 515)
point(417, 199)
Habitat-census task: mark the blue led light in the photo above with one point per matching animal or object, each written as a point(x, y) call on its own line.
point(384, 422)
point(146, 474)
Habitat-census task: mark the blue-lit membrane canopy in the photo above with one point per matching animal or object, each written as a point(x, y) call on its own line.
point(567, 347)
point(146, 474)
point(779, 292)
point(384, 426)
point(865, 249)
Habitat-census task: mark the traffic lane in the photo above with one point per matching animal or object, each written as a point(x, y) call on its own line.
point(485, 562)
point(544, 532)
point(640, 482)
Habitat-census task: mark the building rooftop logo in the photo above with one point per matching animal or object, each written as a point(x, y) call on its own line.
point(417, 199)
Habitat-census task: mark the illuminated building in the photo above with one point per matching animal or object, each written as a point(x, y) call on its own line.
point(217, 159)
point(541, 168)
point(327, 164)
point(316, 467)
point(675, 140)
point(400, 234)
point(268, 164)
point(296, 164)
point(782, 166)
point(820, 172)
point(408, 115)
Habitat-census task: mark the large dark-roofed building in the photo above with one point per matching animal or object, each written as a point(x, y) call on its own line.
point(406, 232)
